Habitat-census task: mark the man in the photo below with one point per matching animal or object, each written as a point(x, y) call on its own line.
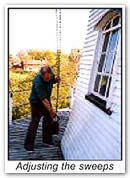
point(41, 106)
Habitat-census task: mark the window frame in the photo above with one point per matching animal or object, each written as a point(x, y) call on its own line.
point(97, 57)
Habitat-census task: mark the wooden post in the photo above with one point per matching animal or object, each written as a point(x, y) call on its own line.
point(71, 97)
point(10, 108)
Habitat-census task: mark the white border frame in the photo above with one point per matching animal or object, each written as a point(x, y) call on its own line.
point(119, 166)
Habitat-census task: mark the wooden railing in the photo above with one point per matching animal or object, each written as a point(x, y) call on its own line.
point(17, 110)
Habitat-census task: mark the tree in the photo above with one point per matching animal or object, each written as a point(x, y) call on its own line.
point(20, 83)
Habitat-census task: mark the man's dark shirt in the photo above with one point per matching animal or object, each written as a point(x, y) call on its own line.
point(40, 89)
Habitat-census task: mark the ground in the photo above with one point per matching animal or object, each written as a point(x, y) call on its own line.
point(17, 132)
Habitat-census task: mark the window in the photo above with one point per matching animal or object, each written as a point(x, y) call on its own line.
point(103, 72)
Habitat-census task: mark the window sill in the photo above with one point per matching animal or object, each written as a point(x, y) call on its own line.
point(99, 103)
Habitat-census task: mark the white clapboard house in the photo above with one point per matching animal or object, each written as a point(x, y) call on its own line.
point(94, 127)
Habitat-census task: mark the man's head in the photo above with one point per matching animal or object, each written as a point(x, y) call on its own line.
point(46, 73)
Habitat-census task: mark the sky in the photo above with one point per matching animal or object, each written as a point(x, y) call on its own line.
point(36, 29)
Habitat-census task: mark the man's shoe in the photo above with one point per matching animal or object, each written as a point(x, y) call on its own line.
point(28, 148)
point(48, 142)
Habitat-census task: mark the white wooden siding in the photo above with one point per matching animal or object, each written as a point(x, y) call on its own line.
point(91, 133)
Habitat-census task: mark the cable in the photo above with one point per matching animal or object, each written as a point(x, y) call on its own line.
point(58, 35)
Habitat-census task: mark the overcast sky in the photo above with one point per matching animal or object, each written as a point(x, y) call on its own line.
point(36, 29)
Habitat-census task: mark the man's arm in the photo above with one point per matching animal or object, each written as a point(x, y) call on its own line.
point(54, 78)
point(48, 106)
point(41, 93)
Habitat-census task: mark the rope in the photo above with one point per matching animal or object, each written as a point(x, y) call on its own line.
point(11, 90)
point(58, 35)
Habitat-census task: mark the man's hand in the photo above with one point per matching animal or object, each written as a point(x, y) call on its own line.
point(48, 106)
point(57, 79)
point(52, 113)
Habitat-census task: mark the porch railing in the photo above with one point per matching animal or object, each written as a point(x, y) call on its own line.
point(17, 110)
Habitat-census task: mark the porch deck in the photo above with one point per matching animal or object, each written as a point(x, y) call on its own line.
point(17, 132)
